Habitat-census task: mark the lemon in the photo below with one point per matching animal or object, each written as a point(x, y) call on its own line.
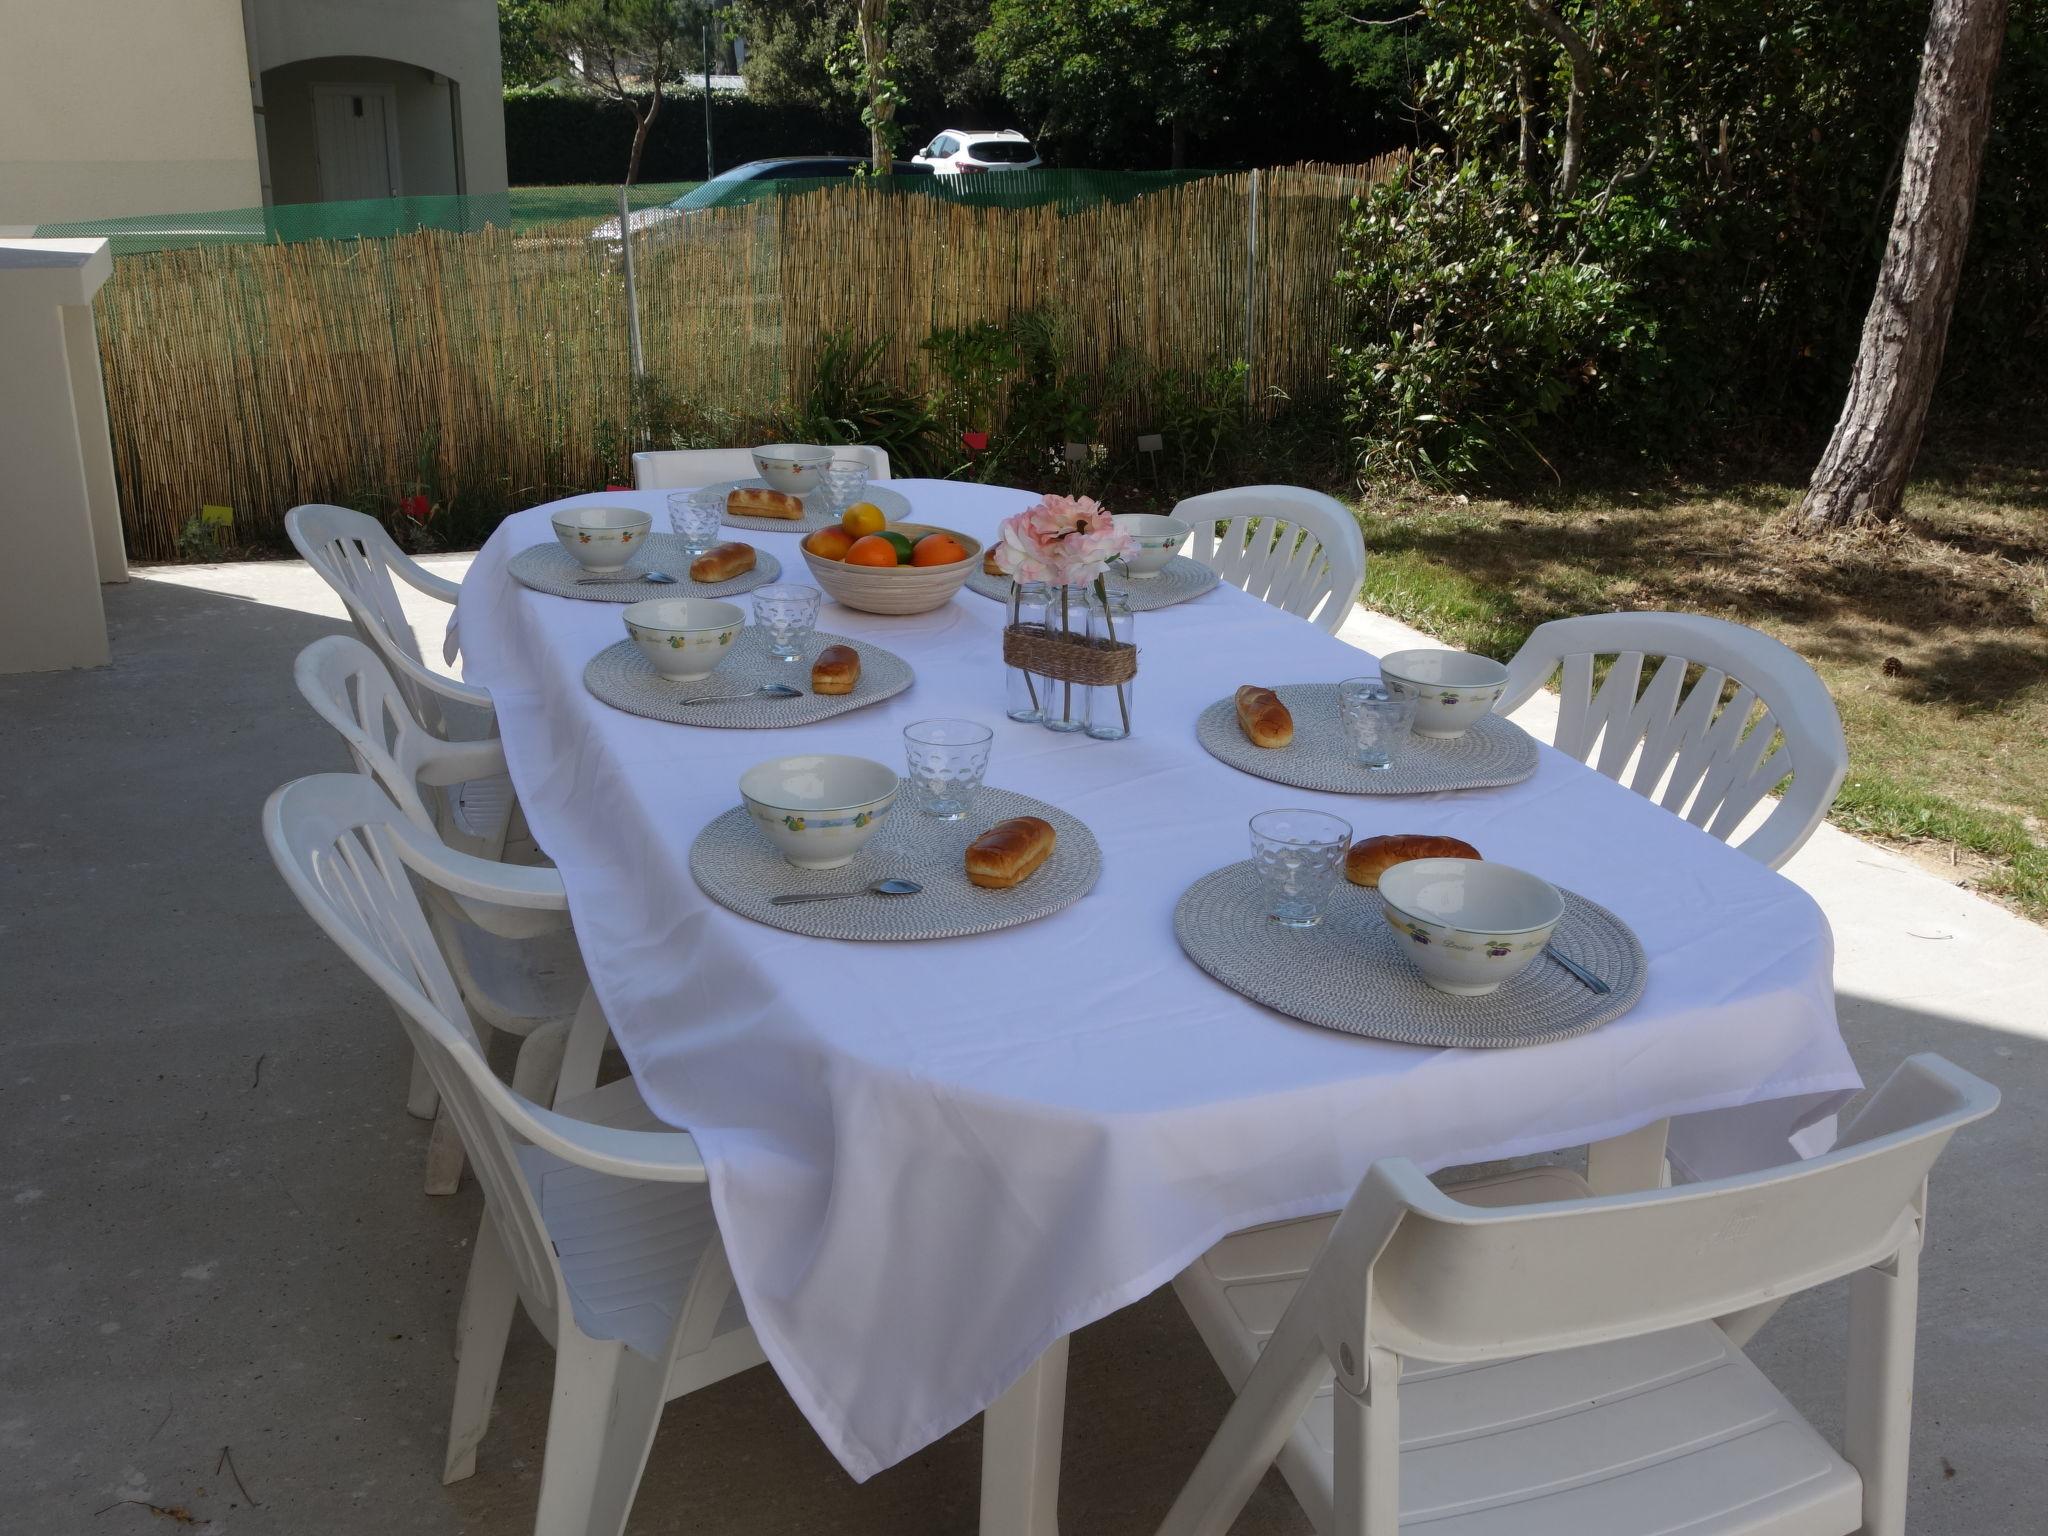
point(862, 518)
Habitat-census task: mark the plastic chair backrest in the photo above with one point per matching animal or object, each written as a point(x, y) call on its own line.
point(683, 469)
point(1295, 548)
point(346, 851)
point(1452, 1282)
point(1692, 754)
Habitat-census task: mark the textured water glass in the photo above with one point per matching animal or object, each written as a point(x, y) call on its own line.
point(948, 760)
point(694, 517)
point(1299, 855)
point(788, 612)
point(844, 480)
point(1379, 724)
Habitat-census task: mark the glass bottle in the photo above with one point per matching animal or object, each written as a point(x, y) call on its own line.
point(1025, 694)
point(1066, 704)
point(1109, 708)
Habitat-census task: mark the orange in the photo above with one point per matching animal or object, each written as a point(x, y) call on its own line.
point(829, 543)
point(862, 518)
point(872, 550)
point(937, 549)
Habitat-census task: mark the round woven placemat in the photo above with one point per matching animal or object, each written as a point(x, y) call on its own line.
point(1179, 580)
point(625, 679)
point(738, 867)
point(895, 506)
point(1349, 972)
point(552, 569)
point(1493, 751)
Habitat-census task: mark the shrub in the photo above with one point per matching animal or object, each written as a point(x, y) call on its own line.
point(556, 137)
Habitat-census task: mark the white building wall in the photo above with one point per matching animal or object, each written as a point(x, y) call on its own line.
point(118, 107)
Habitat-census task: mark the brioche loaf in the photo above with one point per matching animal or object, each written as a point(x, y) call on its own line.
point(759, 501)
point(1263, 718)
point(837, 670)
point(722, 562)
point(1373, 857)
point(1010, 852)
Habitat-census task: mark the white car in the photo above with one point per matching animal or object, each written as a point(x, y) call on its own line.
point(961, 152)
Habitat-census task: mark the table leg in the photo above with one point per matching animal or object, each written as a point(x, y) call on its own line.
point(1020, 1451)
point(1625, 1164)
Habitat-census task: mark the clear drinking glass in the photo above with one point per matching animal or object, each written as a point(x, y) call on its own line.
point(1379, 724)
point(788, 612)
point(695, 516)
point(948, 760)
point(1299, 855)
point(1109, 708)
point(844, 479)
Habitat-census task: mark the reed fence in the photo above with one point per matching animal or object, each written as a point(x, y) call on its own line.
point(490, 369)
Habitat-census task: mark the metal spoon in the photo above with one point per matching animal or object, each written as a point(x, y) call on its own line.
point(1578, 970)
point(652, 578)
point(876, 888)
point(765, 691)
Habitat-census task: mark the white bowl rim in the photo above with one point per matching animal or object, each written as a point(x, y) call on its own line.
point(564, 519)
point(1154, 518)
point(795, 453)
point(737, 621)
point(896, 782)
point(1388, 668)
point(1419, 867)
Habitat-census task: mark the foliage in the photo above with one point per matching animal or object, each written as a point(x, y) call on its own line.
point(557, 138)
point(623, 50)
point(523, 53)
point(848, 402)
point(1715, 176)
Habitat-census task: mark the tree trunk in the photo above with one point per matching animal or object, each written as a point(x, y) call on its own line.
point(1525, 118)
point(1862, 475)
point(869, 18)
point(642, 121)
point(1180, 144)
point(1585, 68)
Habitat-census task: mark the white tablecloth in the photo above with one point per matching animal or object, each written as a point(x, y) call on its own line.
point(932, 1160)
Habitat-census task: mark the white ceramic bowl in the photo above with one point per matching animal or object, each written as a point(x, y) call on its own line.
point(1468, 925)
point(1159, 540)
point(795, 469)
point(602, 538)
point(897, 588)
point(685, 638)
point(1451, 689)
point(817, 811)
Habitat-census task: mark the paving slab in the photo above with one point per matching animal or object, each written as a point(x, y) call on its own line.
point(212, 1235)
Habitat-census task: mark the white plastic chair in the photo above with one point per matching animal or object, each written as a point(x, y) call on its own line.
point(518, 967)
point(596, 1221)
point(356, 557)
point(1685, 745)
point(684, 469)
point(1532, 1360)
point(1305, 550)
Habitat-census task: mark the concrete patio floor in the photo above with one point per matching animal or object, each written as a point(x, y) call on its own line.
point(226, 1306)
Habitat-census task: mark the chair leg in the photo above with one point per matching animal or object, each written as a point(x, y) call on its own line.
point(607, 1405)
point(1877, 1429)
point(1368, 1452)
point(1020, 1450)
point(488, 1302)
point(444, 1155)
point(539, 1062)
point(420, 1098)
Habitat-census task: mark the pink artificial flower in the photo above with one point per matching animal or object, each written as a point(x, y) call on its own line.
point(1067, 541)
point(974, 442)
point(416, 507)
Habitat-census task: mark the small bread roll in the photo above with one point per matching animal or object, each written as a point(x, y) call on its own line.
point(759, 501)
point(837, 670)
point(1010, 852)
point(1263, 718)
point(989, 566)
point(1367, 861)
point(722, 562)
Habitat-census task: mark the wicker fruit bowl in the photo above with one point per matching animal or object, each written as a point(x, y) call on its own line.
point(897, 588)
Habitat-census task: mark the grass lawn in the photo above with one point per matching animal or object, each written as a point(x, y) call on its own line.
point(1932, 635)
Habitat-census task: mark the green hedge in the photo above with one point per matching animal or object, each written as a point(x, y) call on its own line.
point(557, 138)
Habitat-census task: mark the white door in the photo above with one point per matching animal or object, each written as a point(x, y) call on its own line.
point(356, 139)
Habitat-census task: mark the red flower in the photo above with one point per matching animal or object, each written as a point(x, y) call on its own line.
point(618, 487)
point(974, 442)
point(418, 508)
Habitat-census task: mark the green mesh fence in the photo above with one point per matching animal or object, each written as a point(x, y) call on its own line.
point(528, 208)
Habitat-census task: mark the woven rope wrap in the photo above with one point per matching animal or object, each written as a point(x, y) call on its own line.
point(1493, 752)
point(1182, 579)
point(737, 867)
point(1070, 658)
point(552, 569)
point(1350, 973)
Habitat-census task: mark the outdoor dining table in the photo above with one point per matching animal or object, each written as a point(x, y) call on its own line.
point(932, 1162)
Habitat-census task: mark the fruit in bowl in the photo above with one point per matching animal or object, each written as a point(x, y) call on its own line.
point(901, 568)
point(863, 518)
